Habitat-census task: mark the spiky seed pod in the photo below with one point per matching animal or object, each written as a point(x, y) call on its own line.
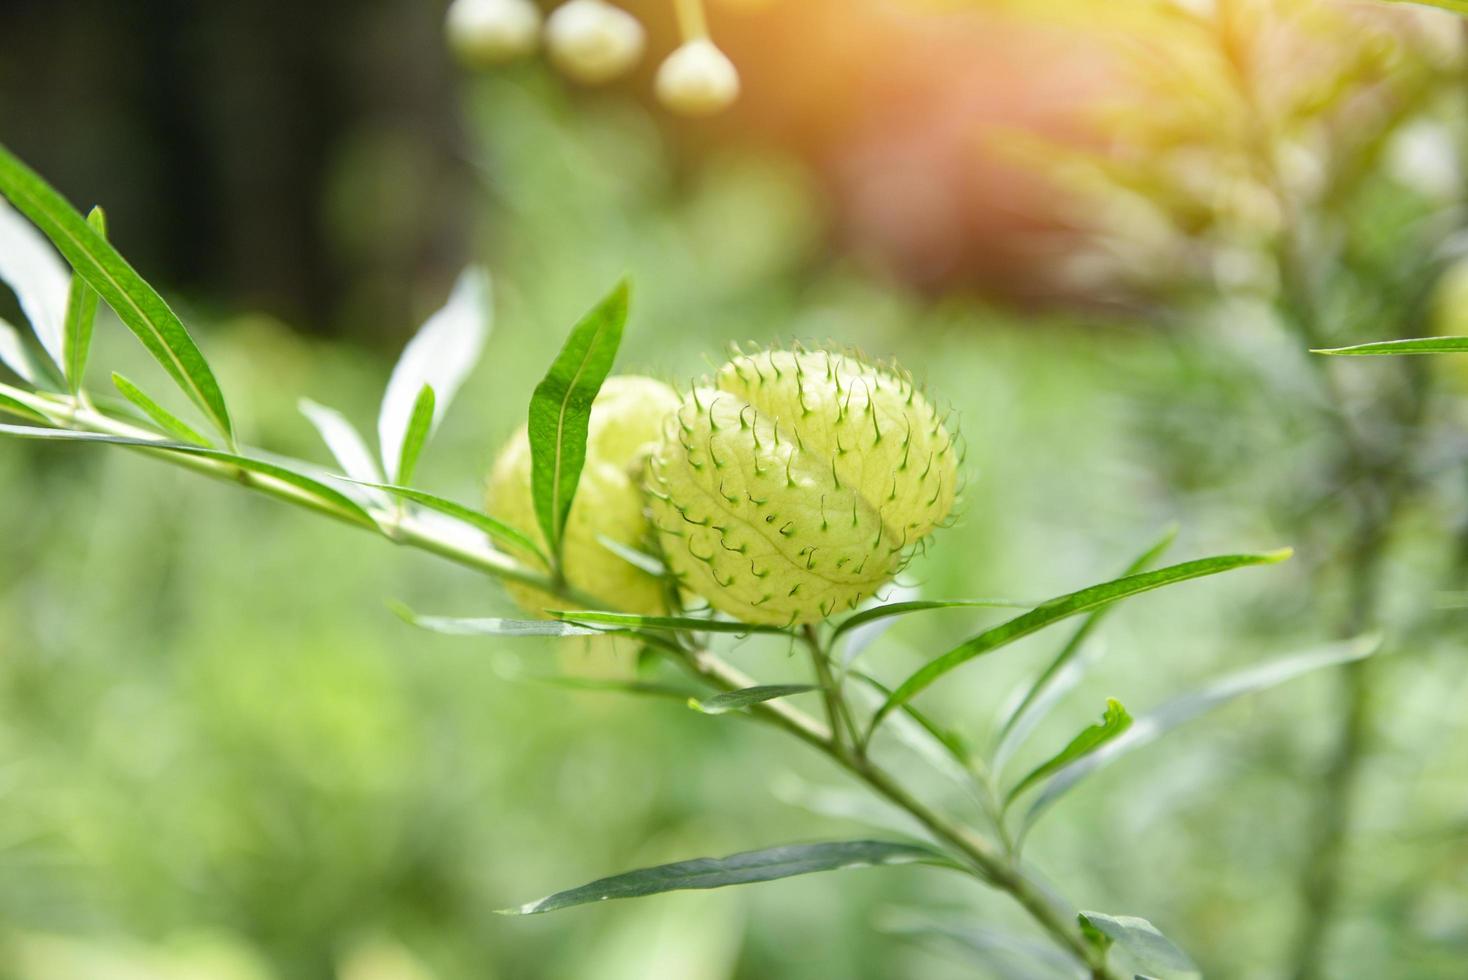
point(795, 483)
point(486, 32)
point(626, 423)
point(593, 41)
point(697, 79)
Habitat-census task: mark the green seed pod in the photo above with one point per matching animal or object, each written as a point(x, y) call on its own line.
point(626, 423)
point(796, 483)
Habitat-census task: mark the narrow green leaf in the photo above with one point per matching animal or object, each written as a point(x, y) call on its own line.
point(496, 529)
point(734, 700)
point(14, 407)
point(1072, 647)
point(1006, 956)
point(846, 803)
point(1147, 948)
point(342, 506)
point(416, 436)
point(1063, 607)
point(1153, 724)
point(440, 355)
point(848, 647)
point(644, 688)
point(491, 626)
point(738, 869)
point(14, 355)
point(162, 416)
point(560, 411)
point(81, 315)
point(934, 734)
point(634, 621)
point(920, 605)
point(1411, 345)
point(343, 440)
point(136, 303)
point(607, 685)
point(1061, 683)
point(637, 559)
point(1113, 722)
point(39, 279)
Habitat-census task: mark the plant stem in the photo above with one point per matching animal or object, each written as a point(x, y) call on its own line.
point(986, 861)
point(1377, 489)
point(397, 528)
point(692, 21)
point(826, 682)
point(838, 714)
point(1321, 876)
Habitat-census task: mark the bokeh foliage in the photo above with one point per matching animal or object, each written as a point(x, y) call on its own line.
point(222, 755)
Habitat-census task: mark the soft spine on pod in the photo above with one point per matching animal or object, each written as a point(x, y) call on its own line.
point(794, 484)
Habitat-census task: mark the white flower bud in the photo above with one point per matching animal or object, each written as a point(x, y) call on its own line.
point(487, 32)
point(697, 79)
point(593, 41)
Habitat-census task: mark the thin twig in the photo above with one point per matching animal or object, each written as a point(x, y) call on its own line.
point(983, 858)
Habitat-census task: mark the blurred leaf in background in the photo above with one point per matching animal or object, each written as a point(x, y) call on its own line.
point(211, 727)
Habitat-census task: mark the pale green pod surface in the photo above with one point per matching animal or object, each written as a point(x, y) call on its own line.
point(798, 484)
point(626, 422)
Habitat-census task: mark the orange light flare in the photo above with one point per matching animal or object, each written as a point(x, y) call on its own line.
point(900, 109)
point(923, 119)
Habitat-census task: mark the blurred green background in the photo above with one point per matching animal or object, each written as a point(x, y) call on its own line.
point(220, 754)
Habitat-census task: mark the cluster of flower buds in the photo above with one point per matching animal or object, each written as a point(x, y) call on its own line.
point(594, 42)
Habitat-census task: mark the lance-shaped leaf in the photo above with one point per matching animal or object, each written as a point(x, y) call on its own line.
point(14, 355)
point(637, 559)
point(1059, 685)
point(343, 440)
point(560, 411)
point(1148, 950)
point(846, 803)
point(1035, 694)
point(609, 685)
point(922, 734)
point(296, 484)
point(905, 607)
point(416, 437)
point(746, 697)
point(490, 625)
point(1410, 345)
point(1114, 721)
point(1063, 607)
point(16, 407)
point(849, 644)
point(81, 316)
point(165, 419)
point(739, 869)
point(1006, 956)
point(635, 621)
point(37, 276)
point(496, 529)
point(136, 303)
point(1153, 724)
point(439, 356)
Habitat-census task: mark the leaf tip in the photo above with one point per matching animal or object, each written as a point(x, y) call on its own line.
point(400, 609)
